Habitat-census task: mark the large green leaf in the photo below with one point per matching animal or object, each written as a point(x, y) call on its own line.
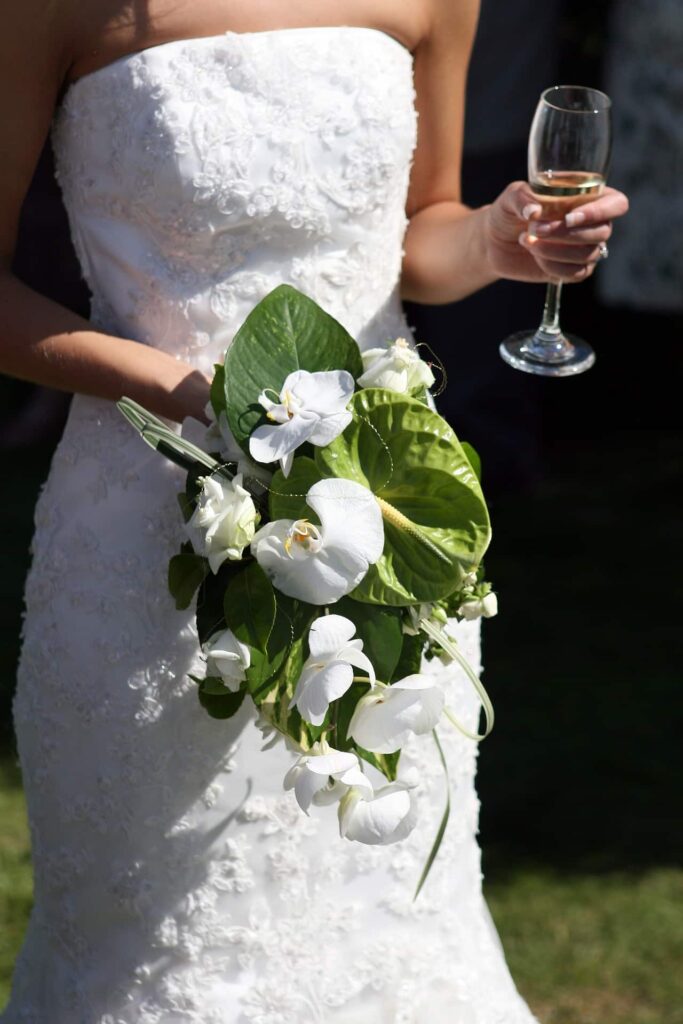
point(279, 665)
point(410, 659)
point(217, 699)
point(436, 522)
point(210, 616)
point(186, 571)
point(249, 606)
point(285, 332)
point(287, 494)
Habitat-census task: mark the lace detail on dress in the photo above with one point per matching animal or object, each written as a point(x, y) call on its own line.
point(218, 162)
point(176, 881)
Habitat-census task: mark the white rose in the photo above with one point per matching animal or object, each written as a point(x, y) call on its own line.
point(398, 368)
point(224, 521)
point(478, 607)
point(227, 657)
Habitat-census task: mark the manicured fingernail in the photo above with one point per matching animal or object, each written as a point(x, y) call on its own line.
point(526, 240)
point(574, 218)
point(546, 227)
point(530, 209)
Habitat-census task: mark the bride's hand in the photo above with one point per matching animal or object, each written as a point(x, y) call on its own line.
point(563, 250)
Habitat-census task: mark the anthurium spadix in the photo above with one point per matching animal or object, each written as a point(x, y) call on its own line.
point(328, 672)
point(310, 407)
point(320, 564)
point(385, 718)
point(378, 818)
point(323, 775)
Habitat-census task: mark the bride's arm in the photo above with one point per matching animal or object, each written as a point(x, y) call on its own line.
point(450, 249)
point(40, 340)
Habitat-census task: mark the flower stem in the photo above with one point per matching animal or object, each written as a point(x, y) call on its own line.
point(452, 649)
point(444, 820)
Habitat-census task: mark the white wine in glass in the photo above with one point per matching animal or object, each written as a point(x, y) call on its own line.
point(568, 159)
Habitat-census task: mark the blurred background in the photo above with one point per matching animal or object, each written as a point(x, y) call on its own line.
point(581, 821)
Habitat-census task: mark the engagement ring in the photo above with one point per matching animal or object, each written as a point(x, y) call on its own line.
point(604, 251)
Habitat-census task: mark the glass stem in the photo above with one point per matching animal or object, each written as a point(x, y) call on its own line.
point(550, 323)
point(548, 344)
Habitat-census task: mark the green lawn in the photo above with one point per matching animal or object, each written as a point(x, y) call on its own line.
point(15, 872)
point(588, 949)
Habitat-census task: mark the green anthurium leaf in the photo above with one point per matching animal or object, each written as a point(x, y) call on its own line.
point(410, 659)
point(249, 606)
point(285, 332)
point(217, 699)
point(186, 572)
point(436, 523)
point(473, 458)
point(379, 629)
point(217, 393)
point(288, 493)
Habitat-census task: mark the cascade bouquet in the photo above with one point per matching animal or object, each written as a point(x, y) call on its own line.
point(335, 523)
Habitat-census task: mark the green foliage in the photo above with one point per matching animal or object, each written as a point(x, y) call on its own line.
point(410, 658)
point(435, 518)
point(288, 494)
point(210, 597)
point(186, 573)
point(249, 606)
point(217, 699)
point(217, 393)
point(380, 629)
point(473, 458)
point(285, 332)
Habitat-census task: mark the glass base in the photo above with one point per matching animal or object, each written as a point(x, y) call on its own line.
point(558, 360)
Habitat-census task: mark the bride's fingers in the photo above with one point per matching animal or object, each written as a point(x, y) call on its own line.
point(568, 273)
point(557, 230)
point(611, 204)
point(559, 252)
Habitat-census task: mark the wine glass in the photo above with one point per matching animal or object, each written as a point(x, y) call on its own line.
point(568, 159)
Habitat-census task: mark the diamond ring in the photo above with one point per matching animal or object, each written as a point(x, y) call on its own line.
point(603, 250)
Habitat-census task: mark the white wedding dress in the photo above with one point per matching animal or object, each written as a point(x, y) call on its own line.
point(176, 882)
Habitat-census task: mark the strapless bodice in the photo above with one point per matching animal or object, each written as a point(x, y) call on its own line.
point(200, 174)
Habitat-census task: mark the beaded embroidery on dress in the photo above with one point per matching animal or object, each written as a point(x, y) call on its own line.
point(175, 881)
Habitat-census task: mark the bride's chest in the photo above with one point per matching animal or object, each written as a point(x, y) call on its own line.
point(296, 128)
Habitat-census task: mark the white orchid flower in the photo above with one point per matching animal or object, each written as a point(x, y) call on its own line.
point(481, 607)
point(379, 818)
point(319, 564)
point(227, 657)
point(224, 521)
point(328, 673)
point(310, 407)
point(397, 367)
point(324, 775)
point(220, 438)
point(387, 716)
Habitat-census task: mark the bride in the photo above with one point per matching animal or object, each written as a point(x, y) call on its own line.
point(207, 152)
